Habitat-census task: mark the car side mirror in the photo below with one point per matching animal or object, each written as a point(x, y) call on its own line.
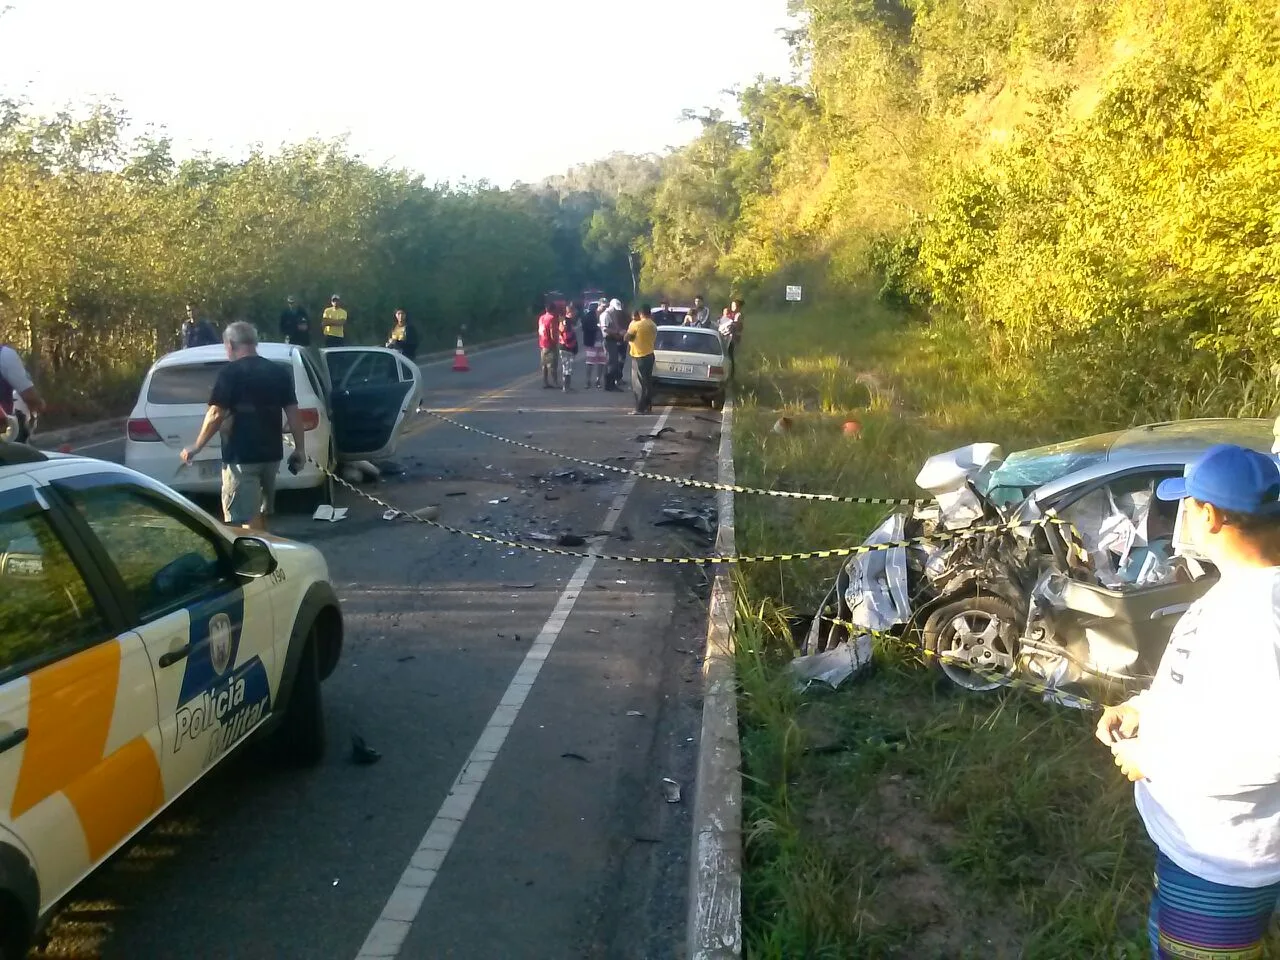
point(252, 558)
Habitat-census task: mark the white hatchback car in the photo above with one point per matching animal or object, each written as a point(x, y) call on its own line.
point(353, 400)
point(141, 643)
point(689, 361)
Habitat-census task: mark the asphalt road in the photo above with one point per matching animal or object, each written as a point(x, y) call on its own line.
point(565, 689)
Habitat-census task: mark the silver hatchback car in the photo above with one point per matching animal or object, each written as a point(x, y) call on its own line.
point(1029, 600)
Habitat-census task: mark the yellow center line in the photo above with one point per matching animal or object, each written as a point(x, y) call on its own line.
point(498, 394)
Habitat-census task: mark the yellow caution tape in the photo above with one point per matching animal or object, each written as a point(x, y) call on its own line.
point(682, 481)
point(941, 537)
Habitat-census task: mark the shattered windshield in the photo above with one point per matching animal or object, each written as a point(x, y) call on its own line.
point(1024, 471)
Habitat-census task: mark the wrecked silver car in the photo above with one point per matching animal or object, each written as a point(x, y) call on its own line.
point(1026, 601)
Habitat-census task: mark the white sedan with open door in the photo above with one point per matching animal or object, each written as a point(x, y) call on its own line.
point(354, 403)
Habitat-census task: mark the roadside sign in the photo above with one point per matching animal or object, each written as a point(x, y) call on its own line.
point(793, 294)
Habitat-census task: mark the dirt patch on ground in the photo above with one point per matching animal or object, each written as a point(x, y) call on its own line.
point(918, 891)
point(875, 825)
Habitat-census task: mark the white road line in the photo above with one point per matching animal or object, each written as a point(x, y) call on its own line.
point(100, 443)
point(402, 907)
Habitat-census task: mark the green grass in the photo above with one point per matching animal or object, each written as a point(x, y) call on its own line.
point(901, 816)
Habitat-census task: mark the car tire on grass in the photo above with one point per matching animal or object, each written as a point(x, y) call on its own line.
point(987, 626)
point(300, 737)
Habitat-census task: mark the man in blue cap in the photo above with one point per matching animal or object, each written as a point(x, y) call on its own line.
point(1202, 744)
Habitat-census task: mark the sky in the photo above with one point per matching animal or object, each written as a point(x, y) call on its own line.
point(458, 90)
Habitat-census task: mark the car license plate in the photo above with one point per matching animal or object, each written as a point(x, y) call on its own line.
point(683, 369)
point(209, 469)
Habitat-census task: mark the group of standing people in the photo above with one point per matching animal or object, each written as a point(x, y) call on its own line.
point(606, 335)
point(295, 328)
point(730, 322)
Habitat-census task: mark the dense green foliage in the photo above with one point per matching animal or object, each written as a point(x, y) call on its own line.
point(1089, 185)
point(1095, 181)
point(107, 236)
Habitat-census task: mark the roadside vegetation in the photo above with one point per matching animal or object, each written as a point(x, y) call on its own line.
point(901, 816)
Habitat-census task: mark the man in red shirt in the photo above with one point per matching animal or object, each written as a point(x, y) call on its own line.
point(548, 334)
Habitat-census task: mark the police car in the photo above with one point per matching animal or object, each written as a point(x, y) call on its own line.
point(141, 642)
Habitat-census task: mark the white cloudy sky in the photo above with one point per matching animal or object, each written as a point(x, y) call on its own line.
point(455, 89)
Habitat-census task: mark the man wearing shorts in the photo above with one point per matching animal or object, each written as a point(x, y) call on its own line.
point(255, 395)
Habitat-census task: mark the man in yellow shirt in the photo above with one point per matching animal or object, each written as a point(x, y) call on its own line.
point(641, 336)
point(333, 323)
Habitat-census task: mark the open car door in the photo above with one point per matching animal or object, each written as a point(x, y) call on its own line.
point(372, 392)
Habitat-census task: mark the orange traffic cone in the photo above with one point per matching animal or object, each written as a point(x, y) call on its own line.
point(460, 358)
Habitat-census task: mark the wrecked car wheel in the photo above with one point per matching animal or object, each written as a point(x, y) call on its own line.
point(981, 631)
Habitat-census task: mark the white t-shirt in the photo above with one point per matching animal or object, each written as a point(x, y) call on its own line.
point(1210, 735)
point(11, 369)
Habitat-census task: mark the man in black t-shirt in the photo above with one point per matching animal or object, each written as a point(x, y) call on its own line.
point(295, 325)
point(255, 394)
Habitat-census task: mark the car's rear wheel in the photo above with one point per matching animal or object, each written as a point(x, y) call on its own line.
point(301, 738)
point(975, 641)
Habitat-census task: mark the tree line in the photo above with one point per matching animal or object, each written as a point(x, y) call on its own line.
point(107, 236)
point(1091, 186)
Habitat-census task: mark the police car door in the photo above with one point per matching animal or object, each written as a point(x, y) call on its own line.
point(208, 634)
point(79, 734)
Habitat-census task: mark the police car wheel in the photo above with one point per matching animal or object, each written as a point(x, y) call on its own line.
point(301, 735)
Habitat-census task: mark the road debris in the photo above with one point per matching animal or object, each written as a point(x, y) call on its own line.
point(634, 713)
point(570, 540)
point(407, 658)
point(670, 790)
point(362, 754)
point(519, 586)
point(430, 512)
point(574, 756)
point(646, 437)
point(832, 667)
point(329, 514)
point(703, 522)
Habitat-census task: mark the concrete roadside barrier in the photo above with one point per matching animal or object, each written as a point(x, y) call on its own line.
point(715, 866)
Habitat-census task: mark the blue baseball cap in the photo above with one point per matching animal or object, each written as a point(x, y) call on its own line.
point(1231, 478)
